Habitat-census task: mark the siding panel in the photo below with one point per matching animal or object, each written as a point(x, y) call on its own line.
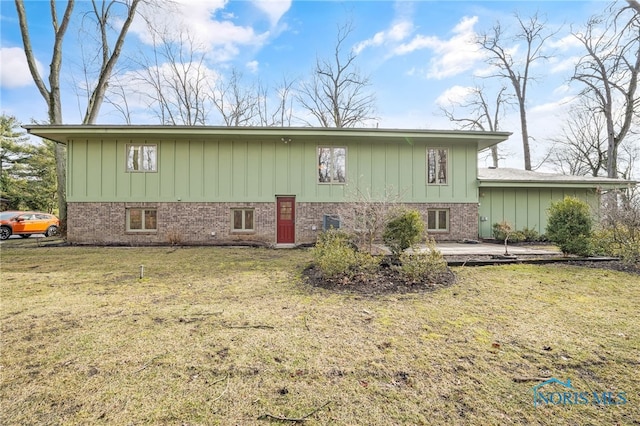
point(240, 170)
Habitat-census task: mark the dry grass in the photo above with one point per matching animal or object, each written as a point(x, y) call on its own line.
point(224, 336)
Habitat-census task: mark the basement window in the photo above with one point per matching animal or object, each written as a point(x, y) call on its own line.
point(438, 220)
point(242, 220)
point(142, 220)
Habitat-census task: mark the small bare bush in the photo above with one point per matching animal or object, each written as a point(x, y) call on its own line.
point(365, 215)
point(174, 237)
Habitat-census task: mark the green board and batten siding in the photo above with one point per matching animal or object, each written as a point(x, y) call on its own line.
point(239, 170)
point(525, 207)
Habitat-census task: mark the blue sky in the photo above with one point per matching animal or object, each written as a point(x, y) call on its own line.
point(419, 55)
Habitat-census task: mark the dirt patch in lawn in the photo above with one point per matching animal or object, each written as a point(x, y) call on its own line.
point(385, 281)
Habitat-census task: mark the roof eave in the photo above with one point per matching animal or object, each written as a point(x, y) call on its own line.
point(485, 183)
point(63, 133)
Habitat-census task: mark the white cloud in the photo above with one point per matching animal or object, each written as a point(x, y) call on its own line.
point(564, 64)
point(14, 71)
point(252, 66)
point(274, 9)
point(552, 107)
point(453, 95)
point(566, 43)
point(198, 20)
point(398, 32)
point(452, 56)
point(562, 89)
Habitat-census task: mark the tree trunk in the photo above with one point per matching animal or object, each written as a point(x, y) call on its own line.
point(525, 136)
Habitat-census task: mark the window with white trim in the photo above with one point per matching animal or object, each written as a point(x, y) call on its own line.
point(332, 164)
point(142, 219)
point(437, 166)
point(142, 158)
point(242, 220)
point(438, 220)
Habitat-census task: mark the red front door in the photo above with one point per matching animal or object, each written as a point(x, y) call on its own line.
point(286, 211)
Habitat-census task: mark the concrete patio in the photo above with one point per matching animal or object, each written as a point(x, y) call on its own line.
point(488, 249)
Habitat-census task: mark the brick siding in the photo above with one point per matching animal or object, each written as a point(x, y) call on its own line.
point(210, 223)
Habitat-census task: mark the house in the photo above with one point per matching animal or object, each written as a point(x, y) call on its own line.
point(273, 186)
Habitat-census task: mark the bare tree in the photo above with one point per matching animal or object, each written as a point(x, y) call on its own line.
point(282, 114)
point(337, 93)
point(580, 149)
point(238, 104)
point(533, 32)
point(175, 80)
point(104, 14)
point(480, 113)
point(609, 72)
point(634, 5)
point(118, 97)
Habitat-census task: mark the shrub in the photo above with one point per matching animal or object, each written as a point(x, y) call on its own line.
point(336, 255)
point(424, 265)
point(619, 231)
point(501, 229)
point(530, 234)
point(404, 230)
point(333, 254)
point(569, 226)
point(618, 241)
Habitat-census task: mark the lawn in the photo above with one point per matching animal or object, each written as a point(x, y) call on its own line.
point(234, 336)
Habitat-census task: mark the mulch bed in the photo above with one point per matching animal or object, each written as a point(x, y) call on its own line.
point(388, 281)
point(385, 281)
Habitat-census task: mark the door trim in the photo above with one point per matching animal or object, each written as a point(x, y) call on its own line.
point(285, 232)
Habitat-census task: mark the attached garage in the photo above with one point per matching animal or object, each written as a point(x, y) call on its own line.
point(522, 197)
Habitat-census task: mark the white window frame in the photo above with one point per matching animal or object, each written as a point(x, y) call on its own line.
point(437, 217)
point(144, 211)
point(438, 166)
point(244, 228)
point(150, 166)
point(332, 165)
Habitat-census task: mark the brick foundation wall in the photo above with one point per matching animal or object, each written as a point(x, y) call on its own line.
point(210, 223)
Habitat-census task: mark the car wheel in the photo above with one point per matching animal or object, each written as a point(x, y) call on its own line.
point(51, 231)
point(5, 232)
point(25, 235)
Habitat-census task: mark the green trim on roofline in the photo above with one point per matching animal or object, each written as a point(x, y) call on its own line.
point(63, 133)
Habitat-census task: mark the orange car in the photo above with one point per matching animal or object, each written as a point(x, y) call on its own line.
point(27, 223)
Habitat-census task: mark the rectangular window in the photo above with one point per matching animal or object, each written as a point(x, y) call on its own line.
point(142, 158)
point(437, 166)
point(438, 220)
point(332, 165)
point(242, 220)
point(141, 220)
